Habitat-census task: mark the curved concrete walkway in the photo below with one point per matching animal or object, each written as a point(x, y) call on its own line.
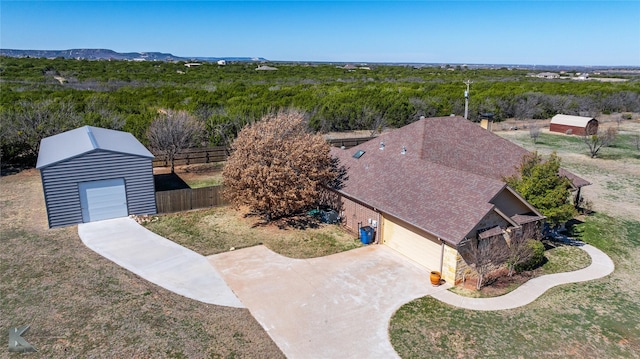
point(601, 266)
point(158, 260)
point(327, 307)
point(340, 305)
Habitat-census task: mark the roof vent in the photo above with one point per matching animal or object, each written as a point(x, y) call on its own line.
point(404, 150)
point(92, 138)
point(382, 145)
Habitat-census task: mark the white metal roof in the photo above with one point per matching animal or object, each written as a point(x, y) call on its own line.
point(570, 120)
point(85, 139)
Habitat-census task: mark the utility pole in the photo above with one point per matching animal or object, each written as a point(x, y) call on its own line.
point(466, 100)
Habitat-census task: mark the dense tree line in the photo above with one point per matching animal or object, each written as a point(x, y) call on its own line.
point(128, 95)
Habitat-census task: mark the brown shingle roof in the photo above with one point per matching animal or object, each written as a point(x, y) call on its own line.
point(525, 218)
point(495, 231)
point(444, 182)
point(458, 143)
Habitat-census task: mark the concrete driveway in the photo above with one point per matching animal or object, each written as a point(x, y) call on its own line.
point(158, 260)
point(337, 306)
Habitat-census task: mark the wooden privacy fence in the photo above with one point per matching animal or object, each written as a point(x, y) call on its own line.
point(189, 198)
point(194, 155)
point(348, 142)
point(219, 153)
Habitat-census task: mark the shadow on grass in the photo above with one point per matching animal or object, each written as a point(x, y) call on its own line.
point(301, 222)
point(168, 182)
point(571, 226)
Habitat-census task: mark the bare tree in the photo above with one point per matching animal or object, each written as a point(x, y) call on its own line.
point(484, 253)
point(371, 119)
point(528, 106)
point(32, 121)
point(277, 167)
point(601, 139)
point(534, 131)
point(635, 139)
point(519, 249)
point(619, 120)
point(172, 132)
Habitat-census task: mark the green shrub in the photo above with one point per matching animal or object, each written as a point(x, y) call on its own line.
point(537, 256)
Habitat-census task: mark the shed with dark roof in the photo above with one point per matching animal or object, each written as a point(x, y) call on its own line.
point(91, 173)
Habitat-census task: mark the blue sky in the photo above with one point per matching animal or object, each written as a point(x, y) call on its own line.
point(501, 32)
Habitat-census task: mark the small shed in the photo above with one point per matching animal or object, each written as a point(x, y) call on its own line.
point(574, 125)
point(91, 174)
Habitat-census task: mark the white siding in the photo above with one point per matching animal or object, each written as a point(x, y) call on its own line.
point(415, 246)
point(104, 199)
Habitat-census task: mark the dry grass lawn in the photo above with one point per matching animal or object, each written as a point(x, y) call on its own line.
point(221, 229)
point(80, 305)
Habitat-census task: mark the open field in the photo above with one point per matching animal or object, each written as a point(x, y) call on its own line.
point(615, 174)
point(596, 319)
point(80, 305)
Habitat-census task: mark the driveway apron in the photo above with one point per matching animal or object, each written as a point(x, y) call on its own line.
point(337, 306)
point(158, 260)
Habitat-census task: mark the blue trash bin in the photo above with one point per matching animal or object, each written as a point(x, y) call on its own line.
point(366, 234)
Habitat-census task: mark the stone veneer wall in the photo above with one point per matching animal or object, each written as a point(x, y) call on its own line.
point(450, 265)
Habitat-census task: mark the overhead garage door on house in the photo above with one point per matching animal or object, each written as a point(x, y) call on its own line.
point(421, 250)
point(103, 200)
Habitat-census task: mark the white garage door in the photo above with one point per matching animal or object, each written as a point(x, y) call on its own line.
point(421, 250)
point(103, 200)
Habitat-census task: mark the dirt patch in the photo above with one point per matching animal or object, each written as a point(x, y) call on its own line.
point(513, 124)
point(81, 305)
point(497, 284)
point(349, 134)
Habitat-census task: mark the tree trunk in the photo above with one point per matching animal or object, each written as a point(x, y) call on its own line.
point(479, 282)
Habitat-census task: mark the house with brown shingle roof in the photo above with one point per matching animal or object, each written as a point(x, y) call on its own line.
point(430, 186)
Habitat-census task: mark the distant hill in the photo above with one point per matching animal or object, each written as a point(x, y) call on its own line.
point(106, 54)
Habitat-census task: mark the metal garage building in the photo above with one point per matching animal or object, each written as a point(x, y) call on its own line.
point(91, 173)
